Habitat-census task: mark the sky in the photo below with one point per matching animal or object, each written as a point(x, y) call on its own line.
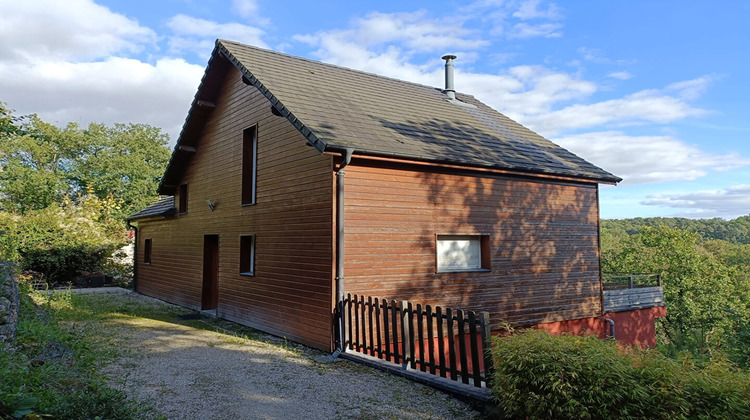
point(655, 92)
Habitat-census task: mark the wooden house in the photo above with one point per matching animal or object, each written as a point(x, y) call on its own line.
point(294, 181)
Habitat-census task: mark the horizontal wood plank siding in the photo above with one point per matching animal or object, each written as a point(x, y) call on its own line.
point(543, 241)
point(291, 291)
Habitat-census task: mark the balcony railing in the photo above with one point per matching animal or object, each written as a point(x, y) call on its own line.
point(627, 292)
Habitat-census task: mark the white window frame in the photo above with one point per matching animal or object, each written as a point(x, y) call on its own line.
point(247, 254)
point(461, 253)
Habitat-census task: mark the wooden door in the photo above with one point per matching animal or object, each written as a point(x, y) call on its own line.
point(210, 272)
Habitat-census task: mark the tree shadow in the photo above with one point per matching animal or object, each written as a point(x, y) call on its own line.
point(543, 233)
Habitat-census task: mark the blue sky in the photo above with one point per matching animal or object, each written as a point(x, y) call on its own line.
point(653, 91)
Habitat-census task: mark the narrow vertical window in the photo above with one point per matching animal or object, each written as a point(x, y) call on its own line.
point(247, 255)
point(147, 251)
point(249, 164)
point(183, 195)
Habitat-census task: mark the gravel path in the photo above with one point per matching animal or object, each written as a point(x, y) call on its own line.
point(190, 373)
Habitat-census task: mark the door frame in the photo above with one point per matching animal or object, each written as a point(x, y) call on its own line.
point(210, 289)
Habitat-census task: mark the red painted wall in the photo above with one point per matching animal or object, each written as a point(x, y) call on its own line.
point(631, 327)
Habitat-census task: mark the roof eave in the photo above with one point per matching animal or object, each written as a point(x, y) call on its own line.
point(609, 180)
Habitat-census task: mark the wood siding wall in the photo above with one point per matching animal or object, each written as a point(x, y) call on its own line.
point(543, 240)
point(291, 291)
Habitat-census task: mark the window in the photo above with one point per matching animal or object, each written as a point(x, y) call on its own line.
point(183, 195)
point(463, 253)
point(247, 255)
point(249, 162)
point(147, 251)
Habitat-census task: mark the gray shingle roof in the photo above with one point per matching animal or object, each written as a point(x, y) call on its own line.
point(163, 207)
point(379, 115)
point(338, 108)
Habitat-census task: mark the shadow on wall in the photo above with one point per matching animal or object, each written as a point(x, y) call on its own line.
point(543, 238)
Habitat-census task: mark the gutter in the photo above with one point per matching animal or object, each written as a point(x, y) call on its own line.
point(611, 323)
point(347, 154)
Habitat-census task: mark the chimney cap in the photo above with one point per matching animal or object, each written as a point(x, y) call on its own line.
point(449, 57)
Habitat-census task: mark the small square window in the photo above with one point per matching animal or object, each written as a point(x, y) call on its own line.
point(247, 255)
point(147, 251)
point(457, 253)
point(183, 196)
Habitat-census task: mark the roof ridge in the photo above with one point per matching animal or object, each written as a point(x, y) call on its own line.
point(335, 66)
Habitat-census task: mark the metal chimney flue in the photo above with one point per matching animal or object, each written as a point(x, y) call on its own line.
point(449, 90)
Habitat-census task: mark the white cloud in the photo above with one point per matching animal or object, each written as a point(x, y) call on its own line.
point(651, 106)
point(526, 30)
point(620, 75)
point(647, 159)
point(198, 35)
point(523, 91)
point(413, 32)
point(114, 90)
point(728, 203)
point(245, 8)
point(529, 9)
point(692, 89)
point(74, 29)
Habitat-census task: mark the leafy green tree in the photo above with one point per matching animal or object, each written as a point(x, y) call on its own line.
point(125, 161)
point(42, 163)
point(35, 159)
point(706, 300)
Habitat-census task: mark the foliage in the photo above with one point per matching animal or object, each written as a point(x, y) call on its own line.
point(706, 286)
point(55, 368)
point(62, 242)
point(735, 231)
point(43, 163)
point(538, 375)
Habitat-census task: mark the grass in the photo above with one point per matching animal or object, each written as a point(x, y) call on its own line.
point(65, 339)
point(55, 368)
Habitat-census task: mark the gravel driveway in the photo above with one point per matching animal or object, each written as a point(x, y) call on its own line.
point(191, 373)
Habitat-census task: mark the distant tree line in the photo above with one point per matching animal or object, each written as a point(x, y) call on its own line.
point(736, 231)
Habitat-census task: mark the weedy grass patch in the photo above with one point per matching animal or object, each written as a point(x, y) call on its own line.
point(55, 368)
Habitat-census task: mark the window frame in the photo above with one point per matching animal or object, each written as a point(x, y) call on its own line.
point(182, 204)
point(247, 255)
point(147, 250)
point(249, 165)
point(484, 252)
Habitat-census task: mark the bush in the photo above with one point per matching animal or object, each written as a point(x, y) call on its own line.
point(538, 375)
point(60, 242)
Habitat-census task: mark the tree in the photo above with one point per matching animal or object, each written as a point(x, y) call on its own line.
point(706, 300)
point(42, 163)
point(125, 161)
point(35, 159)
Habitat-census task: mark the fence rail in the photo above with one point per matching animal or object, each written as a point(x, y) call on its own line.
point(441, 341)
point(631, 280)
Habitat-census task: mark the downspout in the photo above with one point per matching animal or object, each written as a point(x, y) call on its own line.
point(340, 250)
point(611, 323)
point(135, 255)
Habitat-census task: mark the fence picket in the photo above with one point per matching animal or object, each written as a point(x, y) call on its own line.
point(430, 339)
point(349, 322)
point(395, 321)
point(372, 330)
point(441, 339)
point(474, 351)
point(379, 348)
point(370, 341)
point(451, 343)
point(462, 347)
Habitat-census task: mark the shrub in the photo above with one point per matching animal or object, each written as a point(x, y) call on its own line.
point(538, 375)
point(60, 242)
